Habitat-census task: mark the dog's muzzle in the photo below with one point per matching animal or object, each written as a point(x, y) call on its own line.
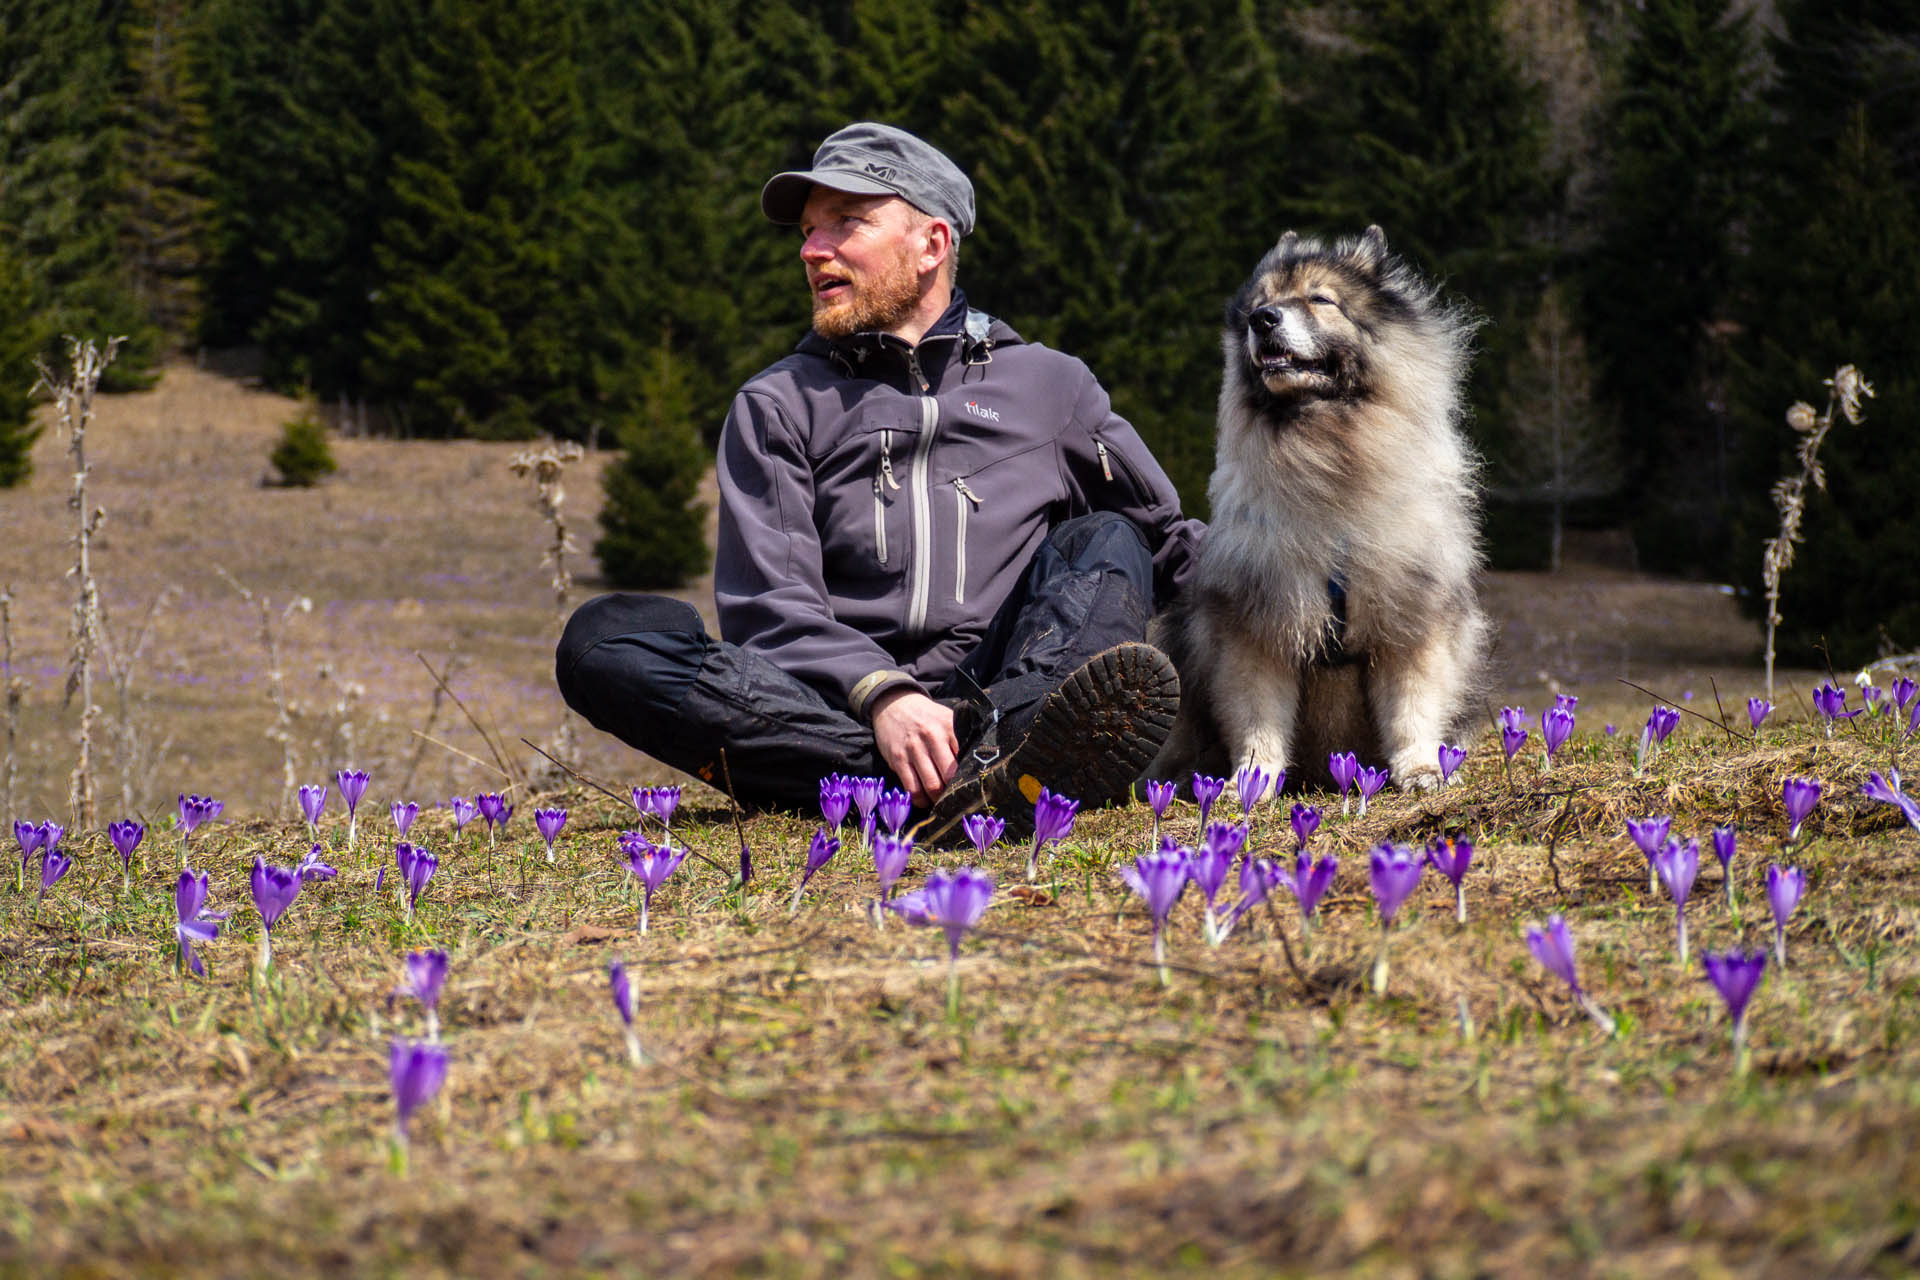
point(1272, 353)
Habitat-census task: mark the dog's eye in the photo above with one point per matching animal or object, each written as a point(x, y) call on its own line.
point(1321, 300)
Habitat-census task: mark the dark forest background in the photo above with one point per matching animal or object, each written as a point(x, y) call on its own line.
point(502, 218)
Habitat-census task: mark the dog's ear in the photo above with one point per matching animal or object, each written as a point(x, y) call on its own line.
point(1371, 252)
point(1287, 242)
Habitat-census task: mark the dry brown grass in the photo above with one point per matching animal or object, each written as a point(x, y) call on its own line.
point(809, 1108)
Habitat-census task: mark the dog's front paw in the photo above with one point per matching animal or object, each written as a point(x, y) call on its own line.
point(1426, 779)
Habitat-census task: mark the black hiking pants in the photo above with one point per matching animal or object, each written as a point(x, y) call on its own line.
point(642, 668)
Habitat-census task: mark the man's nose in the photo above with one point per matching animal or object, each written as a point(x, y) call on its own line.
point(815, 249)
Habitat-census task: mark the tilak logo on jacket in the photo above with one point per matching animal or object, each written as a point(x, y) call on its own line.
point(989, 415)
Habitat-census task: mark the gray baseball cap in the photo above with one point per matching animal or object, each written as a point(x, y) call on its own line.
point(876, 159)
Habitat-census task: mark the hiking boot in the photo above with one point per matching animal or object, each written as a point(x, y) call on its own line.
point(1090, 739)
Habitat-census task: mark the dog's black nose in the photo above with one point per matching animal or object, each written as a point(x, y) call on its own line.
point(1265, 320)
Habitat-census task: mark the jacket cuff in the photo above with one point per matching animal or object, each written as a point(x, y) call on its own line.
point(862, 694)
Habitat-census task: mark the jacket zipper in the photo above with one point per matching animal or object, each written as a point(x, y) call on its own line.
point(920, 498)
point(1105, 469)
point(963, 497)
point(882, 480)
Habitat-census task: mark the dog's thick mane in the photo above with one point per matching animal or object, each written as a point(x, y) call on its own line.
point(1357, 484)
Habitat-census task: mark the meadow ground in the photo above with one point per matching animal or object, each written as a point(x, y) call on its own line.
point(809, 1106)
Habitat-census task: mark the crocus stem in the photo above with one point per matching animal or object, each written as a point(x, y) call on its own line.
point(265, 960)
point(1211, 927)
point(1380, 964)
point(1306, 935)
point(798, 889)
point(643, 915)
point(352, 826)
point(550, 861)
point(953, 990)
point(1033, 862)
point(397, 1152)
point(1733, 907)
point(634, 1055)
point(1653, 877)
point(1160, 955)
point(433, 1025)
point(1345, 803)
point(1740, 1045)
point(1153, 841)
point(1599, 1015)
point(1680, 916)
point(1460, 903)
point(1780, 945)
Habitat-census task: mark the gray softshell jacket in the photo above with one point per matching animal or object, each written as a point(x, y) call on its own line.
point(878, 501)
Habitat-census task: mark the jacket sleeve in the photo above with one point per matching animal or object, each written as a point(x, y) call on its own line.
point(768, 583)
point(1109, 469)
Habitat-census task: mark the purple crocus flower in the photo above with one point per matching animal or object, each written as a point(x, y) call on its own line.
point(651, 864)
point(1913, 719)
point(1250, 784)
point(953, 900)
point(418, 1069)
point(890, 855)
point(1553, 948)
point(1785, 887)
point(1556, 726)
point(1160, 796)
point(866, 797)
point(403, 813)
point(353, 785)
point(1651, 835)
point(1310, 881)
point(622, 992)
point(549, 822)
point(494, 811)
point(1208, 867)
point(1800, 796)
point(1451, 858)
point(1205, 791)
point(836, 797)
point(665, 801)
point(982, 830)
point(1678, 864)
point(1451, 758)
point(126, 837)
point(1758, 709)
point(1369, 780)
point(464, 811)
point(192, 923)
point(1159, 878)
point(1513, 729)
point(1345, 767)
point(313, 799)
point(1661, 722)
point(54, 866)
point(1735, 974)
point(1306, 820)
point(643, 800)
point(893, 809)
point(1394, 871)
point(424, 975)
point(416, 867)
point(1566, 701)
point(1872, 695)
point(819, 853)
point(1903, 691)
point(1052, 820)
point(1830, 700)
point(1878, 788)
point(312, 868)
point(1724, 847)
point(27, 835)
point(274, 889)
point(194, 811)
point(1258, 876)
point(1609, 729)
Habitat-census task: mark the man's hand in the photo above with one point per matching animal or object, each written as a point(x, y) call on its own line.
point(915, 737)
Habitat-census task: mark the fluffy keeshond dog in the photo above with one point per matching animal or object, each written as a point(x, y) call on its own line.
point(1334, 607)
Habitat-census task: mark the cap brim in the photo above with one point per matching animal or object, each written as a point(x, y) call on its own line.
point(785, 195)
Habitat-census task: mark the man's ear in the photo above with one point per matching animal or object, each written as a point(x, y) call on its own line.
point(939, 244)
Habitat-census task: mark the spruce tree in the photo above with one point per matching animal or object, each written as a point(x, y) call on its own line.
point(653, 530)
point(19, 343)
point(1680, 136)
point(60, 159)
point(489, 318)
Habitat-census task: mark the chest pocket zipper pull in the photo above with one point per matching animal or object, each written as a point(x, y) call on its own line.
point(1105, 469)
point(965, 497)
point(886, 460)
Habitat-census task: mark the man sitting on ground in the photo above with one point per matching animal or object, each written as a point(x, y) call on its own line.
point(939, 546)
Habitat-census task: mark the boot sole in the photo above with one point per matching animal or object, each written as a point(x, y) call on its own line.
point(1090, 741)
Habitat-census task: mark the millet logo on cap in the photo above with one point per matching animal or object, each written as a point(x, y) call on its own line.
point(884, 172)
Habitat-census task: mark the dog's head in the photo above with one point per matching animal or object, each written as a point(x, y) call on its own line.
point(1305, 323)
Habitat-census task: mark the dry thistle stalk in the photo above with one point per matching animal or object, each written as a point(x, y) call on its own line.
point(548, 466)
point(73, 401)
point(281, 730)
point(133, 747)
point(1846, 389)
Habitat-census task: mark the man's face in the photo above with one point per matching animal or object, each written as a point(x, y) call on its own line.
point(863, 257)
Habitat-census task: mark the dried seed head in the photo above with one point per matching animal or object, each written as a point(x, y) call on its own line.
point(1801, 416)
point(1851, 389)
